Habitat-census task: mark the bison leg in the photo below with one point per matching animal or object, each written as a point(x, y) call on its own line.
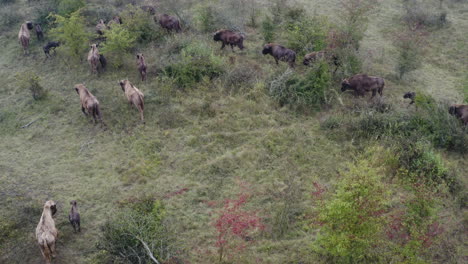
point(222, 47)
point(276, 61)
point(374, 92)
point(84, 111)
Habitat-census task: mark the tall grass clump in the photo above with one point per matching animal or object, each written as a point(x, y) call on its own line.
point(196, 62)
point(137, 232)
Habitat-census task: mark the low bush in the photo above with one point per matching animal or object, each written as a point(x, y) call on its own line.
point(196, 61)
point(140, 24)
point(268, 29)
point(409, 45)
point(31, 81)
point(206, 17)
point(241, 76)
point(307, 34)
point(136, 231)
point(43, 15)
point(119, 41)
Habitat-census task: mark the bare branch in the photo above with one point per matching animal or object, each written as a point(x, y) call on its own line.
point(148, 251)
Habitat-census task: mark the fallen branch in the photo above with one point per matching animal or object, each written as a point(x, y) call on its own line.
point(30, 123)
point(148, 251)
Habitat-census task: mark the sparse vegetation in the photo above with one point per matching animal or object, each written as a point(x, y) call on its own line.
point(30, 81)
point(119, 41)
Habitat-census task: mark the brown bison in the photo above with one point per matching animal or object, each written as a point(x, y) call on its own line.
point(74, 216)
point(46, 233)
point(361, 83)
point(93, 58)
point(115, 20)
point(141, 65)
point(134, 96)
point(411, 96)
point(169, 23)
point(89, 103)
point(460, 111)
point(227, 37)
point(101, 27)
point(280, 53)
point(313, 56)
point(39, 33)
point(24, 36)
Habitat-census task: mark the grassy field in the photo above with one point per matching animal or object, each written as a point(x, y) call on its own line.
point(212, 139)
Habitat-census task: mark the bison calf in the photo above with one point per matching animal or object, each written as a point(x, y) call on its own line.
point(313, 56)
point(101, 27)
point(89, 103)
point(280, 53)
point(410, 95)
point(134, 96)
point(39, 33)
point(103, 62)
point(74, 217)
point(141, 65)
point(361, 83)
point(227, 37)
point(50, 46)
point(460, 111)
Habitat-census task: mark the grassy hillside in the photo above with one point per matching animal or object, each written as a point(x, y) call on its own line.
point(224, 136)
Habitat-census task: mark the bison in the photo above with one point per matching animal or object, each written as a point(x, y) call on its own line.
point(93, 58)
point(361, 83)
point(460, 111)
point(227, 37)
point(141, 65)
point(115, 20)
point(24, 36)
point(50, 46)
point(280, 53)
point(411, 96)
point(134, 96)
point(39, 33)
point(103, 62)
point(74, 217)
point(313, 56)
point(169, 23)
point(46, 233)
point(89, 103)
point(101, 27)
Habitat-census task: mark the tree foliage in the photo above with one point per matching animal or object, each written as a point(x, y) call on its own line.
point(119, 41)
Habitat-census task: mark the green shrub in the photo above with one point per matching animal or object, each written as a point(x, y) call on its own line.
point(31, 81)
point(309, 90)
point(71, 31)
point(268, 29)
point(196, 62)
point(206, 17)
point(353, 222)
point(140, 24)
point(306, 34)
point(66, 7)
point(119, 41)
point(43, 15)
point(241, 76)
point(143, 221)
point(410, 52)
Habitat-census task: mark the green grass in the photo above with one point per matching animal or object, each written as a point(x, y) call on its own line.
point(206, 138)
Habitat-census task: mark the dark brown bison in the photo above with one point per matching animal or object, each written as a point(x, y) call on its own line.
point(169, 22)
point(39, 33)
point(411, 96)
point(227, 37)
point(361, 83)
point(280, 53)
point(74, 217)
point(460, 111)
point(89, 103)
point(313, 56)
point(50, 46)
point(141, 65)
point(24, 36)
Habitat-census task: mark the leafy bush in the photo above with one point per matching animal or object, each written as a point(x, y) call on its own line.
point(240, 76)
point(43, 15)
point(138, 229)
point(306, 34)
point(31, 81)
point(140, 24)
point(196, 62)
point(353, 220)
point(71, 31)
point(206, 17)
point(119, 41)
point(310, 90)
point(410, 52)
point(66, 7)
point(268, 29)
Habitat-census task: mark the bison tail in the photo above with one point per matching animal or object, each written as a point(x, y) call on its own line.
point(46, 251)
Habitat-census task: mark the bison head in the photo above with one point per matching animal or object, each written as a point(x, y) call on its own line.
point(217, 35)
point(122, 84)
point(29, 25)
point(345, 85)
point(73, 203)
point(267, 49)
point(52, 206)
point(409, 95)
point(306, 61)
point(453, 110)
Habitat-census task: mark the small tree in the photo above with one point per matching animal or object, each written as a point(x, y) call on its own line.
point(410, 52)
point(29, 80)
point(268, 29)
point(307, 34)
point(71, 31)
point(118, 41)
point(139, 23)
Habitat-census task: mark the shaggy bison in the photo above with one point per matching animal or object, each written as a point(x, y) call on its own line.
point(74, 217)
point(313, 56)
point(50, 46)
point(361, 83)
point(39, 33)
point(280, 53)
point(93, 58)
point(115, 20)
point(227, 37)
point(24, 36)
point(169, 23)
point(101, 27)
point(89, 103)
point(460, 111)
point(410, 95)
point(46, 233)
point(141, 65)
point(134, 96)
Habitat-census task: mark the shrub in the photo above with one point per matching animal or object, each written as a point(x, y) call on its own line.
point(240, 76)
point(43, 15)
point(307, 34)
point(268, 29)
point(310, 90)
point(140, 24)
point(410, 52)
point(71, 31)
point(355, 16)
point(196, 61)
point(31, 81)
point(119, 41)
point(66, 7)
point(353, 219)
point(138, 229)
point(206, 17)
